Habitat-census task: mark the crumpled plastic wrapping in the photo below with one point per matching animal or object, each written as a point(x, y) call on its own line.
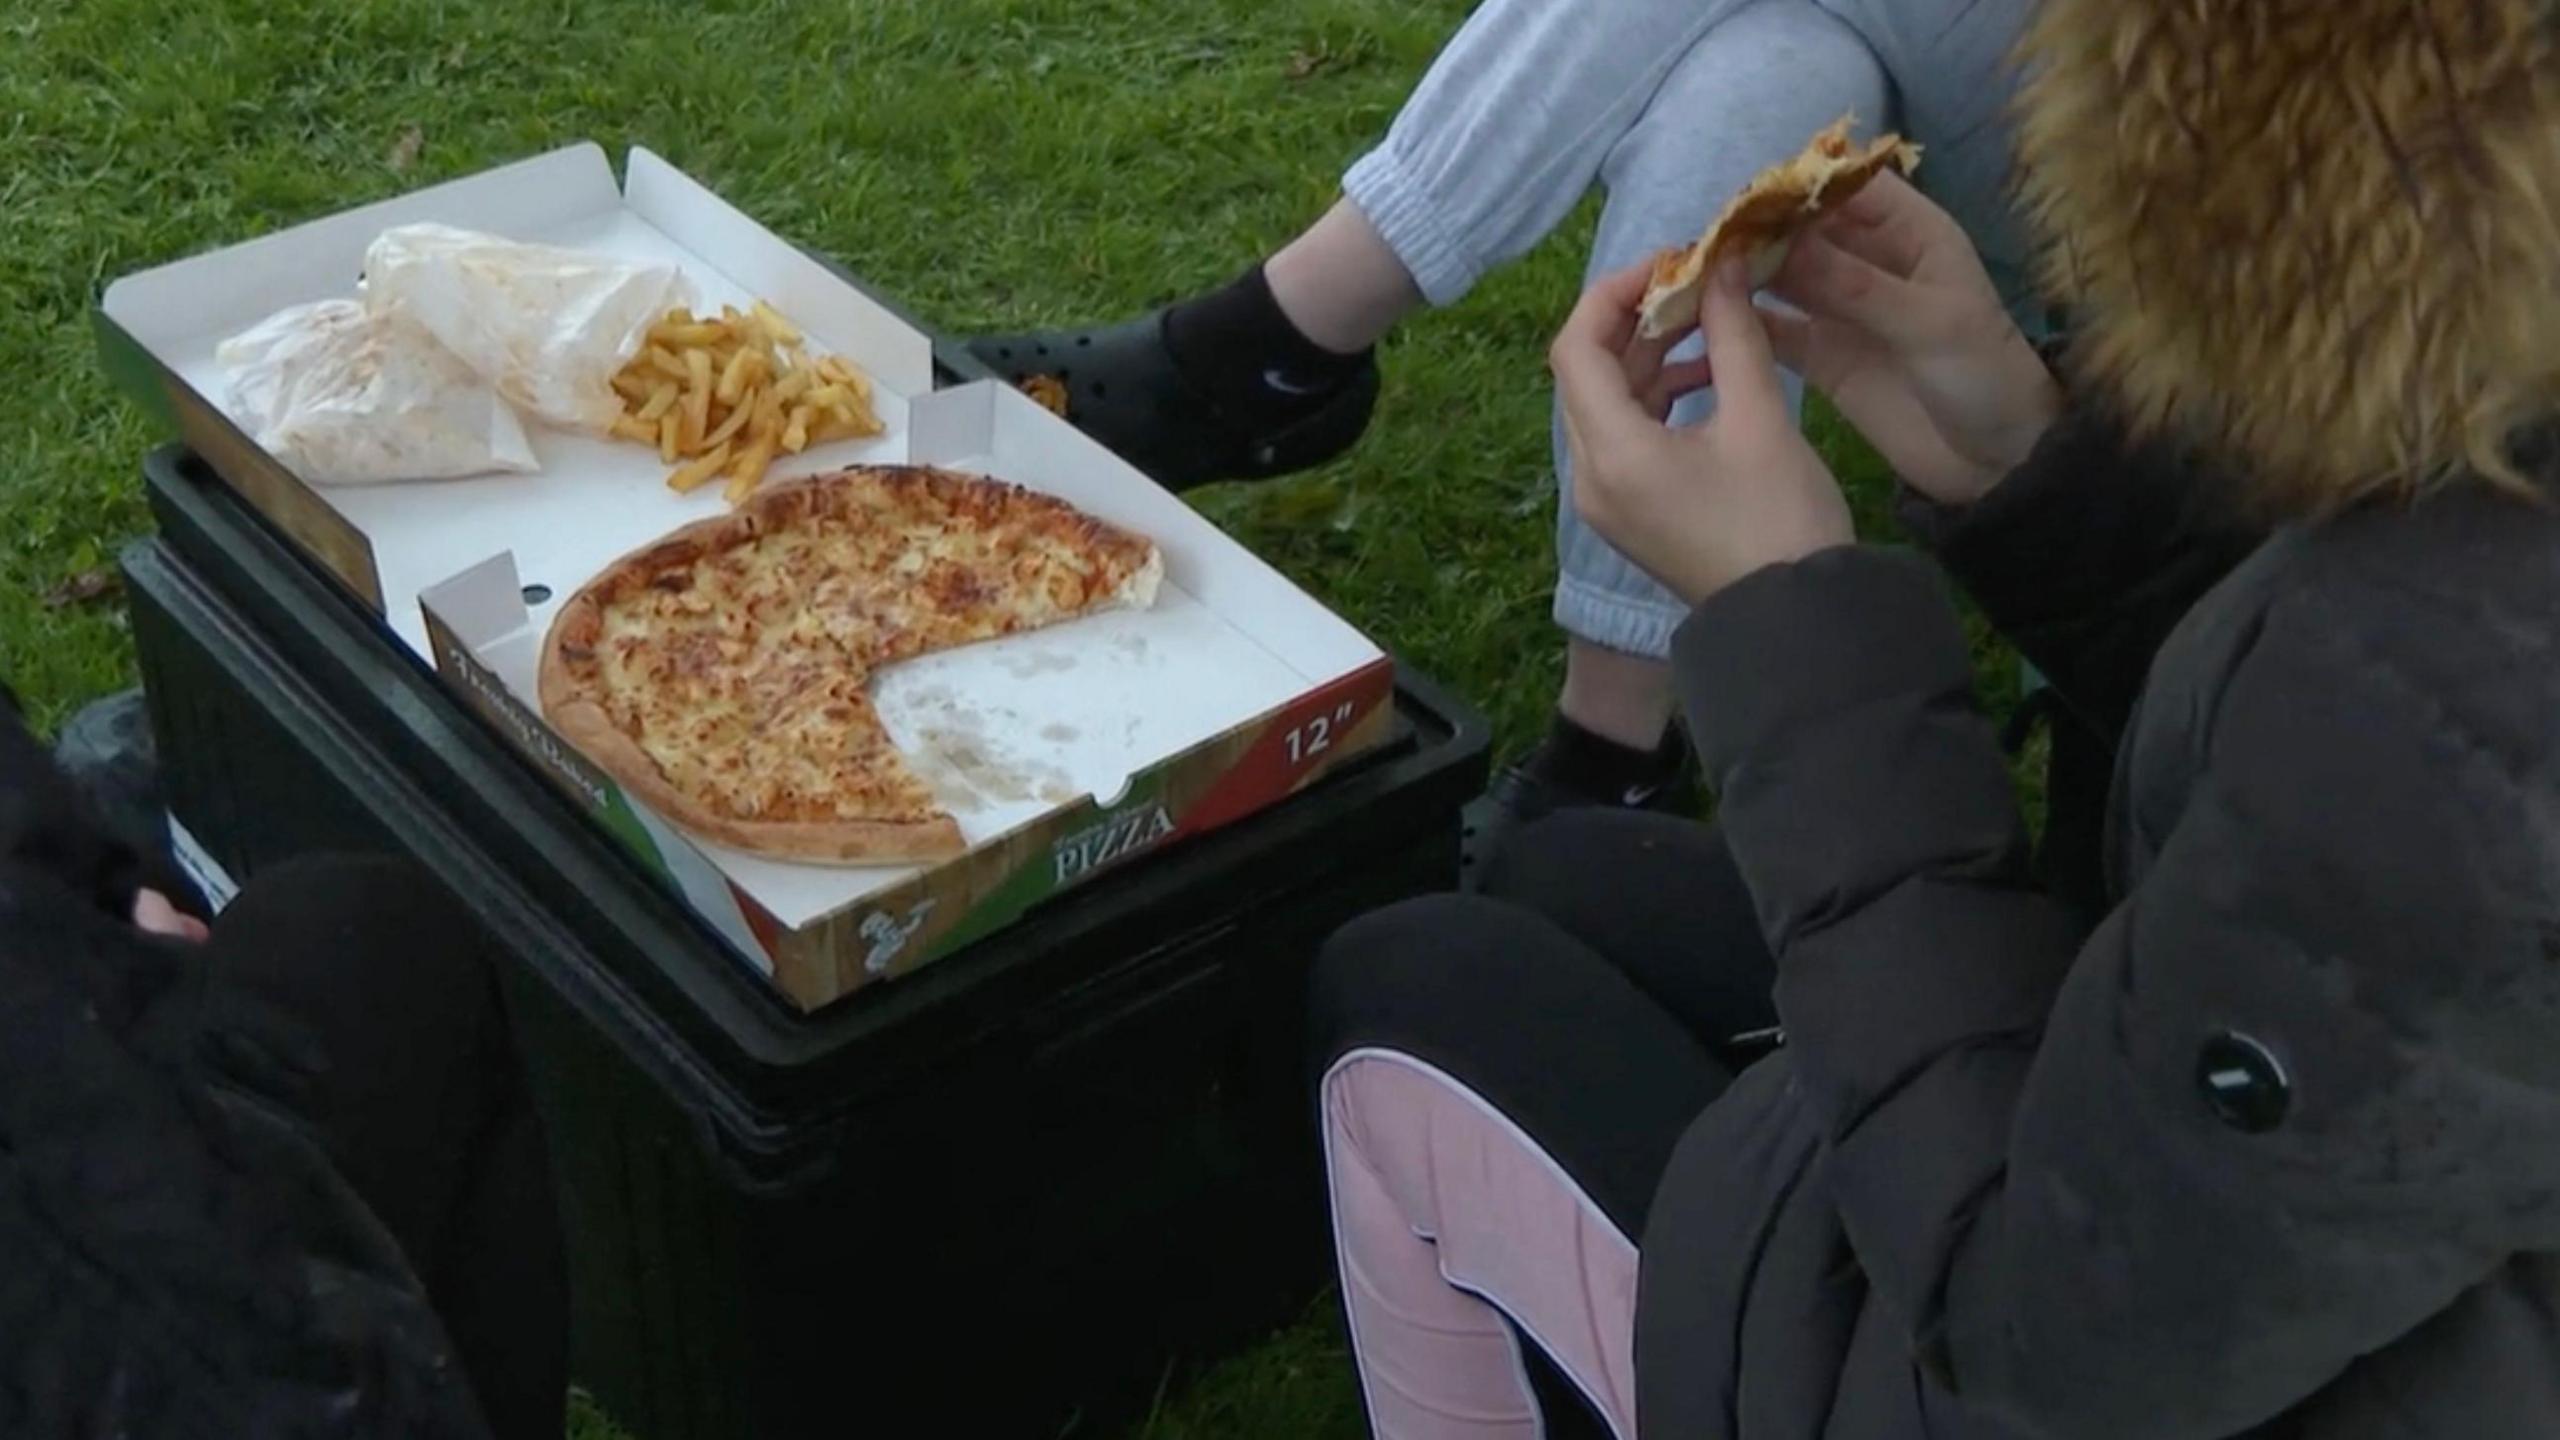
point(345, 396)
point(459, 339)
point(547, 326)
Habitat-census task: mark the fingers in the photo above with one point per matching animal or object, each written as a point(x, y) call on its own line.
point(1591, 363)
point(1890, 224)
point(1746, 370)
point(1791, 339)
point(1625, 287)
point(154, 914)
point(1823, 279)
point(1641, 355)
point(1609, 377)
point(1603, 321)
point(1677, 383)
point(1586, 354)
point(1645, 355)
point(1617, 298)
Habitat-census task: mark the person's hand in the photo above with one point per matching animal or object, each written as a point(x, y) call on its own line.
point(153, 914)
point(1701, 507)
point(1903, 329)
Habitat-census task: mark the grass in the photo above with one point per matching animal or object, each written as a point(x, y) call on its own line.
point(993, 162)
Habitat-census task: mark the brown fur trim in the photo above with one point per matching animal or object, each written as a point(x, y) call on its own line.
point(2320, 236)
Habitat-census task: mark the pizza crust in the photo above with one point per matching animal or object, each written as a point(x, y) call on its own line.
point(584, 724)
point(1138, 592)
point(1778, 204)
point(569, 675)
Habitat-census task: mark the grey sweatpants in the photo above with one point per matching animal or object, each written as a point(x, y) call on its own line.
point(1671, 105)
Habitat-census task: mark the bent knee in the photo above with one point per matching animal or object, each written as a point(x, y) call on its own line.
point(1396, 969)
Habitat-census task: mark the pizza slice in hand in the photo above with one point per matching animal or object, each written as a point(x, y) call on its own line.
point(721, 674)
point(1778, 204)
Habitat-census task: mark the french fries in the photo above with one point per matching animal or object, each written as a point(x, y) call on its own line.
point(1048, 390)
point(721, 398)
point(699, 472)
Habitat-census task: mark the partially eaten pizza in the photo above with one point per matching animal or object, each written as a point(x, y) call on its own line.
point(1770, 212)
point(721, 674)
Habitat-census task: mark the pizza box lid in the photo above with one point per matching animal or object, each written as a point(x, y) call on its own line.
point(468, 573)
point(161, 328)
point(1011, 731)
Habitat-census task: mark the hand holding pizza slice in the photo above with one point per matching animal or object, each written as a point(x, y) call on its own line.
point(1779, 203)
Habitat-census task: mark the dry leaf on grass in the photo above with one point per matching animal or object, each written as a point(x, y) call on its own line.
point(404, 151)
point(1316, 60)
point(85, 587)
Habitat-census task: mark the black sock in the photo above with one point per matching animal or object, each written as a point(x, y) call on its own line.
point(1601, 771)
point(1240, 349)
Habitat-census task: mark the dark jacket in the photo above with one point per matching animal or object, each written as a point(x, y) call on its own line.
point(2275, 1150)
point(177, 1255)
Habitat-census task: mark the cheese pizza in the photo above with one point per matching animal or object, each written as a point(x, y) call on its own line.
point(1771, 211)
point(721, 673)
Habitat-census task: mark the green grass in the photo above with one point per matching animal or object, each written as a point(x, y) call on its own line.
point(993, 162)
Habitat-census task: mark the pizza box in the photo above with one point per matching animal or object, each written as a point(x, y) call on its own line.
point(1063, 753)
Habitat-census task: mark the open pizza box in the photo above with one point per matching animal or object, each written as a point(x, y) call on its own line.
point(1063, 752)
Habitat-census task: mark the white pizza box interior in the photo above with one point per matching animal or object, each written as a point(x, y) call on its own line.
point(1061, 752)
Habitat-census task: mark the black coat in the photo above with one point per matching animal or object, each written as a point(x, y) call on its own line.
point(177, 1255)
point(2275, 1148)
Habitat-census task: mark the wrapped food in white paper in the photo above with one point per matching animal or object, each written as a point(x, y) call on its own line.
point(345, 396)
point(547, 326)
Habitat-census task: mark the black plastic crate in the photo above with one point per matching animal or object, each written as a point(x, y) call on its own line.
point(989, 1197)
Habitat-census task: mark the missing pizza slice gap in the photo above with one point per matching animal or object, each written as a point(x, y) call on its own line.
point(1780, 203)
point(721, 673)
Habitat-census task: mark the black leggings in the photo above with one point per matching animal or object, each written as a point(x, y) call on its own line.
point(1593, 995)
point(422, 1105)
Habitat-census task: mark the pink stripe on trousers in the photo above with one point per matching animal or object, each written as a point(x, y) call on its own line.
point(1447, 1218)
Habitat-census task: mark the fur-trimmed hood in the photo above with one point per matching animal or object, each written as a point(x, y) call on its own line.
point(2320, 236)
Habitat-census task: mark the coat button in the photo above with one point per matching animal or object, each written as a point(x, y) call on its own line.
point(2243, 1082)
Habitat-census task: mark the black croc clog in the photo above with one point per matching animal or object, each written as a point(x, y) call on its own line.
point(1125, 389)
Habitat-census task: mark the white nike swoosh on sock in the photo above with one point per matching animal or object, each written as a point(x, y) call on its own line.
point(1639, 796)
point(1279, 380)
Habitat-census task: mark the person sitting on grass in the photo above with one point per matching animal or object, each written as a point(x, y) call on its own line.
point(2270, 1149)
point(277, 1174)
point(1670, 105)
